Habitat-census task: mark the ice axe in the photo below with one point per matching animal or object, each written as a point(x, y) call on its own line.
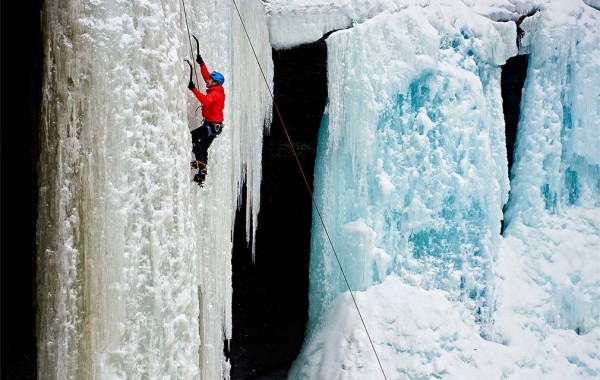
point(197, 45)
point(191, 69)
point(192, 76)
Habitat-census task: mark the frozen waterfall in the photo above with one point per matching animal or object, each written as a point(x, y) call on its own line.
point(411, 181)
point(134, 265)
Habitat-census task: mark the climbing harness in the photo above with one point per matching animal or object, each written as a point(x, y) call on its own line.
point(309, 191)
point(213, 128)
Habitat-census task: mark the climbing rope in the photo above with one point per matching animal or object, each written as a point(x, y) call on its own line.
point(191, 48)
point(309, 190)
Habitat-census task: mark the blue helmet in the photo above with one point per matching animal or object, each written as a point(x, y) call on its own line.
point(217, 77)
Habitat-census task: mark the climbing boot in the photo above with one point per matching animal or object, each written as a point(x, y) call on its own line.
point(200, 177)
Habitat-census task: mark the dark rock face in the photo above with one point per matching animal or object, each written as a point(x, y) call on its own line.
point(270, 297)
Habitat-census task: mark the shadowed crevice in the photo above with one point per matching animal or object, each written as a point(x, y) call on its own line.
point(270, 296)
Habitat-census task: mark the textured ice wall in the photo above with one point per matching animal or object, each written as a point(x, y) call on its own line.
point(411, 168)
point(557, 158)
point(555, 195)
point(134, 275)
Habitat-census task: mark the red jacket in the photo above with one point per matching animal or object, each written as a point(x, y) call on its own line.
point(214, 100)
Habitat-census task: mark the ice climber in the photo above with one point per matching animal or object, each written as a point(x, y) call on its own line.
point(212, 113)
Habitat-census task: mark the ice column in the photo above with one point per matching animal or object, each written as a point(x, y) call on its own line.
point(557, 157)
point(411, 167)
point(555, 182)
point(134, 269)
point(234, 157)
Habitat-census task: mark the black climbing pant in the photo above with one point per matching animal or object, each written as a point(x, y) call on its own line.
point(202, 137)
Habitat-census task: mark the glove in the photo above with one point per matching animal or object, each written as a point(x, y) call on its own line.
point(191, 85)
point(199, 59)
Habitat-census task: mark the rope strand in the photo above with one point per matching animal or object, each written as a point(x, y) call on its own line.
point(310, 192)
point(190, 41)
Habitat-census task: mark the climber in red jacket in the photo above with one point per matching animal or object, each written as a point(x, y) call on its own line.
point(212, 112)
